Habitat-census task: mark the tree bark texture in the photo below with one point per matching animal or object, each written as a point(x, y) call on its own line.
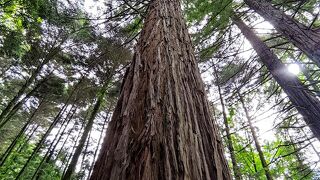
point(304, 101)
point(162, 127)
point(306, 39)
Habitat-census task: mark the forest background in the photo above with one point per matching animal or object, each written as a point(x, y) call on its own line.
point(62, 63)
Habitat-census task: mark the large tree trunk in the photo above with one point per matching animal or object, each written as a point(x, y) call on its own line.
point(161, 127)
point(303, 37)
point(306, 103)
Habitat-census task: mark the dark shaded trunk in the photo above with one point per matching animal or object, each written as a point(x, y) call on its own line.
point(85, 155)
point(68, 157)
point(305, 102)
point(255, 139)
point(28, 139)
point(306, 39)
point(236, 170)
point(162, 127)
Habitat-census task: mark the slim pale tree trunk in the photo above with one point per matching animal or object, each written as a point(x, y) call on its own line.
point(162, 127)
point(236, 170)
point(305, 102)
point(305, 38)
point(255, 139)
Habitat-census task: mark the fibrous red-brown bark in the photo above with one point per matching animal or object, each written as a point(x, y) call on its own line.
point(161, 128)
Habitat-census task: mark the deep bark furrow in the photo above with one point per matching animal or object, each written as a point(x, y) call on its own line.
point(162, 128)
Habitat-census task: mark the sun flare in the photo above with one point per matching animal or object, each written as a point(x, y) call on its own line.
point(294, 69)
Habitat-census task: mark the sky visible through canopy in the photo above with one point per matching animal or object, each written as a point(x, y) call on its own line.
point(264, 122)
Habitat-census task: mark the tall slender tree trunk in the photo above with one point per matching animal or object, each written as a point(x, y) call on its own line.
point(106, 120)
point(255, 139)
point(306, 39)
point(28, 82)
point(87, 129)
point(66, 159)
point(305, 102)
point(236, 170)
point(22, 132)
point(18, 104)
point(51, 149)
point(253, 158)
point(162, 127)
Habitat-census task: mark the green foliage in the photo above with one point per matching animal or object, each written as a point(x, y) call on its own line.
point(282, 155)
point(211, 16)
point(84, 53)
point(18, 158)
point(230, 117)
point(17, 19)
point(134, 27)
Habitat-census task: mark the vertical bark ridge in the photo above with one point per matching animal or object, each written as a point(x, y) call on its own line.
point(161, 127)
